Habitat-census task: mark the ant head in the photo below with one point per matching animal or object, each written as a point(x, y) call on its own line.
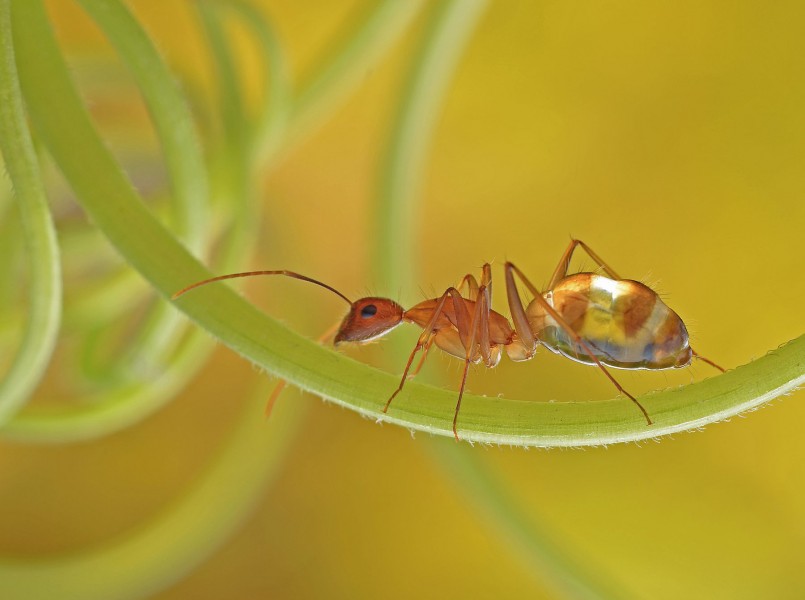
point(369, 318)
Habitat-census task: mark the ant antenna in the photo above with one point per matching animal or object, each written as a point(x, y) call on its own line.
point(253, 273)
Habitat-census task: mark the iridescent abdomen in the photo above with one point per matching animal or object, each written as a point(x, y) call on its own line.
point(624, 322)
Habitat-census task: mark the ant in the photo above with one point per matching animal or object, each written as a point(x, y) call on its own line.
point(590, 318)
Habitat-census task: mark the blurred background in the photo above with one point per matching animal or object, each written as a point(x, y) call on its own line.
point(669, 137)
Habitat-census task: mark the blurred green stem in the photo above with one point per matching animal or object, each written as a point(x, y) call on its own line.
point(155, 341)
point(542, 557)
point(171, 545)
point(160, 370)
point(347, 64)
point(433, 65)
point(272, 120)
point(169, 113)
point(167, 548)
point(39, 234)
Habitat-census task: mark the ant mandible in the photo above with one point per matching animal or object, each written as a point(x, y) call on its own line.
point(590, 318)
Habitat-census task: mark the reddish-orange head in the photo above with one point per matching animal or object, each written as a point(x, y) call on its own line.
point(369, 318)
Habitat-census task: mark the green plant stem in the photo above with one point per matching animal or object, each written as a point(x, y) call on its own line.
point(105, 300)
point(151, 347)
point(108, 198)
point(233, 107)
point(168, 547)
point(44, 314)
point(276, 107)
point(346, 66)
point(432, 67)
point(114, 409)
point(169, 113)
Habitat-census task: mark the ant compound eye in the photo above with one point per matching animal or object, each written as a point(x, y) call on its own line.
point(370, 310)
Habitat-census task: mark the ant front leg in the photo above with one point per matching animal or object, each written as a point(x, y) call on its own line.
point(564, 263)
point(422, 358)
point(424, 341)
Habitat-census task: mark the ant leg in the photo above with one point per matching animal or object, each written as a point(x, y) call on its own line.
point(480, 323)
point(485, 299)
point(707, 360)
point(421, 362)
point(423, 341)
point(471, 283)
point(525, 337)
point(486, 282)
point(569, 330)
point(419, 344)
point(272, 399)
point(564, 263)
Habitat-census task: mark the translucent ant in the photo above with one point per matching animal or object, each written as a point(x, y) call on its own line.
point(590, 318)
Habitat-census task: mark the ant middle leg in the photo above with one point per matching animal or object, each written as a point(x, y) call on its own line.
point(479, 328)
point(472, 284)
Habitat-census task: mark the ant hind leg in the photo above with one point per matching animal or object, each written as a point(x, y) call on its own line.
point(707, 360)
point(564, 263)
point(518, 316)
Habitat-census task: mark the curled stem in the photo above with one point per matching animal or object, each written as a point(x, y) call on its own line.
point(114, 206)
point(44, 316)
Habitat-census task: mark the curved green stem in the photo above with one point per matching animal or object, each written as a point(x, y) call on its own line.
point(347, 65)
point(114, 206)
point(164, 550)
point(233, 107)
point(433, 64)
point(276, 106)
point(170, 114)
point(44, 314)
point(114, 409)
